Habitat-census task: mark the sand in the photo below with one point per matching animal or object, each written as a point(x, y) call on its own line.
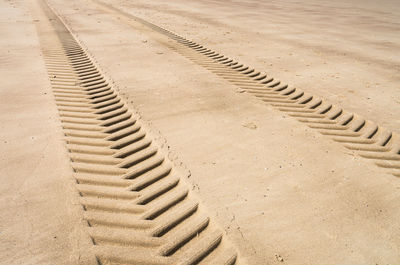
point(41, 219)
point(282, 192)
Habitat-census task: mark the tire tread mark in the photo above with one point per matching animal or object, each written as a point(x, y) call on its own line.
point(355, 132)
point(138, 209)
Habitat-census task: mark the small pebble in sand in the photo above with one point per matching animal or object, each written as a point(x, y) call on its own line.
point(278, 258)
point(250, 125)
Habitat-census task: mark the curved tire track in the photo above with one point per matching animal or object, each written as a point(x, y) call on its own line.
point(354, 132)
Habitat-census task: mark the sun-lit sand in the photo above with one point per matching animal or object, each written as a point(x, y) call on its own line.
point(281, 189)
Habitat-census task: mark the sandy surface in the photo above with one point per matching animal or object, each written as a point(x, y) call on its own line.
point(283, 193)
point(276, 187)
point(345, 51)
point(40, 221)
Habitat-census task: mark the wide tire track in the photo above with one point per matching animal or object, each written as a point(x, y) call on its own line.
point(138, 209)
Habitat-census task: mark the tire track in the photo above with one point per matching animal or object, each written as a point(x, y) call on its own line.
point(366, 138)
point(137, 207)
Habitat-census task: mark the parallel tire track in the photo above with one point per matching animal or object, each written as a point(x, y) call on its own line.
point(356, 133)
point(138, 209)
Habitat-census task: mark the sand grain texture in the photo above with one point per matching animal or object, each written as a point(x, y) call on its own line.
point(278, 190)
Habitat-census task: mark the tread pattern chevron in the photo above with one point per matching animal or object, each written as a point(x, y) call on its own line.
point(137, 207)
point(368, 139)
